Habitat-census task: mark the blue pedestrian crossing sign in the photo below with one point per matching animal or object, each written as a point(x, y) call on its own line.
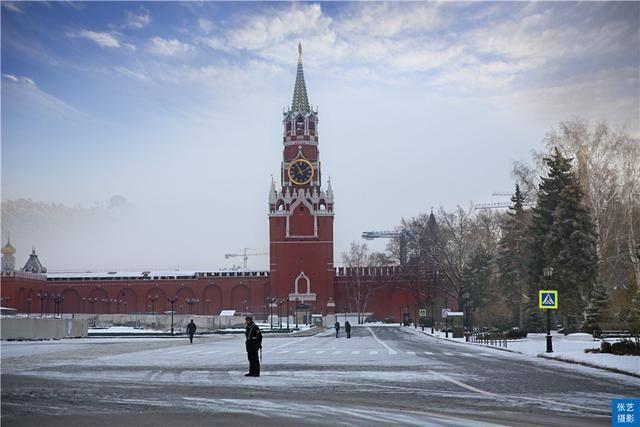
point(548, 298)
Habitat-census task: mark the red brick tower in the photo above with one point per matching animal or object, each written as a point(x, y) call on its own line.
point(301, 212)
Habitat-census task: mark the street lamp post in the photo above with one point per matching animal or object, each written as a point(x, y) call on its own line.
point(548, 273)
point(466, 297)
point(28, 307)
point(191, 302)
point(287, 314)
point(172, 301)
point(108, 302)
point(93, 301)
point(244, 304)
point(273, 303)
point(153, 300)
point(42, 297)
point(446, 319)
point(433, 309)
point(296, 313)
point(264, 297)
point(119, 301)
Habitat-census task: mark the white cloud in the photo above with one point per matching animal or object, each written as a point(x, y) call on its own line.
point(102, 39)
point(220, 75)
point(131, 73)
point(537, 39)
point(168, 47)
point(213, 42)
point(388, 20)
point(609, 94)
point(13, 6)
point(205, 25)
point(21, 93)
point(21, 79)
point(138, 21)
point(274, 33)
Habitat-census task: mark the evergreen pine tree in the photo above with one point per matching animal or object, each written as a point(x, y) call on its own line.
point(534, 317)
point(476, 281)
point(562, 236)
point(476, 278)
point(573, 234)
point(598, 301)
point(511, 258)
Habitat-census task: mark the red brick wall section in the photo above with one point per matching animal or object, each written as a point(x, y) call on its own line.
point(214, 294)
point(390, 296)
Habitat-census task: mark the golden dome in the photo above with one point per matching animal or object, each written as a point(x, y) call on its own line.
point(8, 249)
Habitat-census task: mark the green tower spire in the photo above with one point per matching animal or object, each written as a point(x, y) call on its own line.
point(300, 102)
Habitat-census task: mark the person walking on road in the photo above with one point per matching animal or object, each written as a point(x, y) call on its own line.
point(337, 326)
point(347, 328)
point(253, 344)
point(191, 330)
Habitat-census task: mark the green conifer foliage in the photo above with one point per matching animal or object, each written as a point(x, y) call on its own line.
point(562, 235)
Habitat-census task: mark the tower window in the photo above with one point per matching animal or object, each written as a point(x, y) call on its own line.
point(299, 125)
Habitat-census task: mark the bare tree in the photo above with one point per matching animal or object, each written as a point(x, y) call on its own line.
point(358, 289)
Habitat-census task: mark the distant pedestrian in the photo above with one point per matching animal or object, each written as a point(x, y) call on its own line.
point(337, 326)
point(347, 328)
point(253, 344)
point(191, 330)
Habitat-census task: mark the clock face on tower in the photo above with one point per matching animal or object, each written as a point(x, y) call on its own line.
point(300, 171)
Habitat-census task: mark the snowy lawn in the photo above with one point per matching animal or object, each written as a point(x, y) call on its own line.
point(124, 330)
point(570, 347)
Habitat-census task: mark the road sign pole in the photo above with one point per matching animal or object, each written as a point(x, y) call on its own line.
point(549, 343)
point(548, 300)
point(432, 315)
point(446, 327)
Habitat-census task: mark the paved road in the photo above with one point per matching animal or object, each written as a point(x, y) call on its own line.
point(382, 376)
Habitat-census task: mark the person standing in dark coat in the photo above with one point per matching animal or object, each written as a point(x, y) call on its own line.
point(337, 326)
point(347, 328)
point(191, 330)
point(253, 344)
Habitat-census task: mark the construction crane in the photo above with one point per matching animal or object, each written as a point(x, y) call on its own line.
point(497, 205)
point(245, 256)
point(400, 235)
point(491, 205)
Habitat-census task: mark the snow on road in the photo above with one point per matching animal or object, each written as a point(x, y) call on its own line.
point(571, 347)
point(377, 365)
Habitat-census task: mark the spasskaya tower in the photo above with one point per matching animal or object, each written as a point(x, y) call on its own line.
point(301, 211)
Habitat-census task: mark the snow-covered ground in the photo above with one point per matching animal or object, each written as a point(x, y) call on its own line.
point(379, 369)
point(124, 330)
point(570, 347)
point(131, 330)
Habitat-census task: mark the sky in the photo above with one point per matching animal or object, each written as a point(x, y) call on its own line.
point(144, 135)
